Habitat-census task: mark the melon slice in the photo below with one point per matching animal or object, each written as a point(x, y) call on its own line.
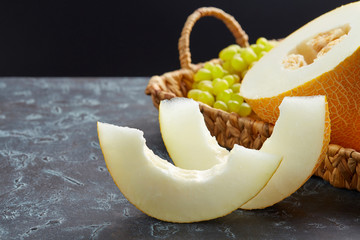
point(186, 136)
point(301, 135)
point(169, 193)
point(321, 58)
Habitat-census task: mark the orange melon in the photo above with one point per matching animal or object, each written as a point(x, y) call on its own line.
point(321, 58)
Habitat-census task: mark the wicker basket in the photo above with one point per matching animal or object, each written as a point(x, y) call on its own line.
point(341, 166)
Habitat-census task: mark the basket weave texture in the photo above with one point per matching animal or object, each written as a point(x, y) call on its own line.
point(340, 167)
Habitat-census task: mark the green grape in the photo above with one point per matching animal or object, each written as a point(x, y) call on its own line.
point(224, 96)
point(221, 105)
point(237, 97)
point(207, 98)
point(249, 55)
point(236, 47)
point(219, 85)
point(236, 87)
point(236, 78)
point(202, 74)
point(194, 94)
point(262, 41)
point(238, 63)
point(227, 67)
point(209, 66)
point(230, 79)
point(194, 85)
point(258, 48)
point(205, 85)
point(233, 106)
point(227, 53)
point(244, 110)
point(217, 71)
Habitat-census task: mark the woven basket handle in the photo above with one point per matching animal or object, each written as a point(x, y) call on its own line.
point(184, 42)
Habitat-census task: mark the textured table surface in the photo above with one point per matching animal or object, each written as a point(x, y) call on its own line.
point(55, 185)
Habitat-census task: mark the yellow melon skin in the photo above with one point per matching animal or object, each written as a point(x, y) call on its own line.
point(341, 86)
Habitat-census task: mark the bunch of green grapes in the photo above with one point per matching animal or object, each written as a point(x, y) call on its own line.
point(218, 85)
point(236, 59)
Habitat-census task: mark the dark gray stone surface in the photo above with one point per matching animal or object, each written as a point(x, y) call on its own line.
point(55, 185)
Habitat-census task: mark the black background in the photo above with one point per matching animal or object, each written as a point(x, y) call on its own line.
point(131, 38)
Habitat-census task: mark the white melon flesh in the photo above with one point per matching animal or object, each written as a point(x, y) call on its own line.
point(299, 135)
point(169, 193)
point(181, 120)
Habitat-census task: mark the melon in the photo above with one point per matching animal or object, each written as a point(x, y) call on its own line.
point(301, 135)
point(320, 58)
point(186, 137)
point(169, 193)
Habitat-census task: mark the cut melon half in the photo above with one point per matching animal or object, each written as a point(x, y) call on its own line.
point(166, 192)
point(321, 58)
point(301, 135)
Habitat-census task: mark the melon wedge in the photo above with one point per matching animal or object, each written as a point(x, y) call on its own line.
point(186, 136)
point(321, 58)
point(301, 135)
point(169, 193)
